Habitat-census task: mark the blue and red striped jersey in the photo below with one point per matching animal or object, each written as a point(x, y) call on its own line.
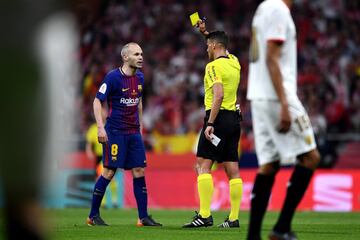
point(122, 94)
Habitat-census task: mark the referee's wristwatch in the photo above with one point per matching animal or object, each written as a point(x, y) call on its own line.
point(210, 124)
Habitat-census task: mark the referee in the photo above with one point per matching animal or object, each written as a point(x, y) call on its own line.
point(221, 81)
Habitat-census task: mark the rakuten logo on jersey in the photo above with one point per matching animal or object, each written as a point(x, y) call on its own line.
point(129, 101)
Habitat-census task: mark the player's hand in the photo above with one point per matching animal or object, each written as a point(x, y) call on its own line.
point(285, 119)
point(102, 136)
point(202, 27)
point(209, 130)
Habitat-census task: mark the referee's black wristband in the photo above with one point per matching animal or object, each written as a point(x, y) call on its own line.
point(209, 124)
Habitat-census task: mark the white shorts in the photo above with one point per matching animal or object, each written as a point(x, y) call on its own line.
point(273, 146)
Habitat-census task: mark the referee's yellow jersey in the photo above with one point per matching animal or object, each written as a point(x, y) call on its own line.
point(225, 70)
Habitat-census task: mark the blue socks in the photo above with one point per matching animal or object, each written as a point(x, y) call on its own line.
point(98, 194)
point(140, 193)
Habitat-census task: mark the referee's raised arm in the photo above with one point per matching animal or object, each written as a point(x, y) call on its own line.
point(201, 26)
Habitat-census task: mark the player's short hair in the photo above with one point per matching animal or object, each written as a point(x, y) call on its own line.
point(125, 49)
point(219, 36)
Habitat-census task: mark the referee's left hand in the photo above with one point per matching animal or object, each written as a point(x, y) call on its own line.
point(209, 130)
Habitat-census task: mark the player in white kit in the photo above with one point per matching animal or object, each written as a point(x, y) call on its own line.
point(283, 133)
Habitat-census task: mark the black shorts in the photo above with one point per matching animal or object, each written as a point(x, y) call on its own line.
point(227, 128)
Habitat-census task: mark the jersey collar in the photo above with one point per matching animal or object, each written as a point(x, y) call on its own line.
point(222, 57)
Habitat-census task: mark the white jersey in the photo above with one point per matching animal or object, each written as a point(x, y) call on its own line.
point(272, 22)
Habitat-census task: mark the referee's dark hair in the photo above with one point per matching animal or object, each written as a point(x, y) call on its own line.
point(219, 36)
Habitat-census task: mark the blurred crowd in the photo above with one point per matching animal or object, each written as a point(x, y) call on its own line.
point(175, 56)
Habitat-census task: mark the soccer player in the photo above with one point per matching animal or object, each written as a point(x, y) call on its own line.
point(121, 138)
point(282, 129)
point(221, 81)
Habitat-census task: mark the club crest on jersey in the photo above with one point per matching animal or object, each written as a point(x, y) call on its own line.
point(134, 93)
point(129, 101)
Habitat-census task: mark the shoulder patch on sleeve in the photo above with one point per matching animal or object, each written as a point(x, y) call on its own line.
point(103, 88)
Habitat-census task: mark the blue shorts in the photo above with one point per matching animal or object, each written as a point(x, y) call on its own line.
point(124, 151)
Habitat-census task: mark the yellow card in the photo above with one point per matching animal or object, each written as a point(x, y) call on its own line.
point(194, 18)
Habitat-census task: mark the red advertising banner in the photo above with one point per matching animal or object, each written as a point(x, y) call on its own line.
point(329, 190)
point(171, 182)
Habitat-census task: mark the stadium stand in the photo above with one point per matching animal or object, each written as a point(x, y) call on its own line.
point(328, 74)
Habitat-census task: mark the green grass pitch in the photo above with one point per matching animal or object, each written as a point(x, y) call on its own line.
point(70, 224)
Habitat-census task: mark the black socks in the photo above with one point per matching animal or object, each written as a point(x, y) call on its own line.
point(259, 200)
point(298, 184)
